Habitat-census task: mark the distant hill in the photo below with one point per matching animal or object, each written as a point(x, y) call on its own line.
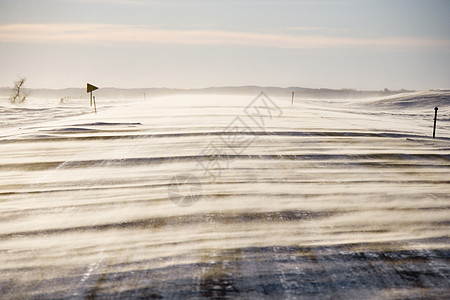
point(111, 92)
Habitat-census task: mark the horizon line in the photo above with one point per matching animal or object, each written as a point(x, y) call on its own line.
point(235, 87)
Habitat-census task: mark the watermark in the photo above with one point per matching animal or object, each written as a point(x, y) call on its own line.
point(262, 108)
point(213, 160)
point(238, 136)
point(185, 189)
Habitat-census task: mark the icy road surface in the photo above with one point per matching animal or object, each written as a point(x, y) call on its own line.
point(221, 197)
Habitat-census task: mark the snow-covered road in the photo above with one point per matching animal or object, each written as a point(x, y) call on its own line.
point(326, 199)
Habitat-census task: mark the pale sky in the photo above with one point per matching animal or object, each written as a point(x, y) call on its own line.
point(362, 44)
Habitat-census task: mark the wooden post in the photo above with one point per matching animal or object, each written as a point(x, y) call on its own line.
point(89, 89)
point(435, 117)
point(292, 101)
point(95, 106)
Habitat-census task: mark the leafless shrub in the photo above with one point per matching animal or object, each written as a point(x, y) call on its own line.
point(19, 95)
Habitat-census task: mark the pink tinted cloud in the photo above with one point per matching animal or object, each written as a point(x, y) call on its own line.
point(108, 33)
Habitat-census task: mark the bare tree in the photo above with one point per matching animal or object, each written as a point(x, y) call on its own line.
point(19, 94)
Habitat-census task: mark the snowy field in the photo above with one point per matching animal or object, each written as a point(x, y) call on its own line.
point(215, 197)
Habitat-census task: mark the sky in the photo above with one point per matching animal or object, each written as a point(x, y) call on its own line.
point(360, 44)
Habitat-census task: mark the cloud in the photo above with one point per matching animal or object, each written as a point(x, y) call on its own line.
point(109, 33)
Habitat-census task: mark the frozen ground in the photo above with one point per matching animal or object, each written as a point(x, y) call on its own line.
point(325, 199)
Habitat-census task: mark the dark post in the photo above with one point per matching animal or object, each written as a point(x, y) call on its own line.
point(292, 101)
point(95, 106)
point(435, 117)
point(89, 89)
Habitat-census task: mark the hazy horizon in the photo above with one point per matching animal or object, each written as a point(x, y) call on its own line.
point(211, 87)
point(363, 45)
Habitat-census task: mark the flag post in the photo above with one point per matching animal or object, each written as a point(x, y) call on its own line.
point(89, 89)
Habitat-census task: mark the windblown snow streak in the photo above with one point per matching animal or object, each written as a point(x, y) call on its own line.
point(329, 199)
